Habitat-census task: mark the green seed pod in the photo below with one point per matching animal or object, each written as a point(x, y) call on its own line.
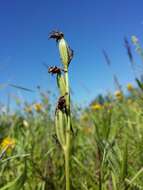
point(60, 125)
point(61, 84)
point(63, 49)
point(57, 128)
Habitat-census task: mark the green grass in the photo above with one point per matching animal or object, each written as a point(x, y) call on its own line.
point(106, 151)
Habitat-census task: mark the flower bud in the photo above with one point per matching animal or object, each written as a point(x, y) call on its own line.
point(63, 49)
point(61, 84)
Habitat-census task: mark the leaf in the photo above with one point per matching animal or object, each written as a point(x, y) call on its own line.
point(125, 162)
point(114, 181)
point(139, 83)
point(21, 88)
point(130, 182)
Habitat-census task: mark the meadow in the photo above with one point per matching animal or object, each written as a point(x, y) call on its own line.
point(106, 138)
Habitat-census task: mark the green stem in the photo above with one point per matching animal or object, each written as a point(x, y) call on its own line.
point(67, 171)
point(67, 148)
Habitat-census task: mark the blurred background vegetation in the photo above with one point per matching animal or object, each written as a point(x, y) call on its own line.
point(107, 140)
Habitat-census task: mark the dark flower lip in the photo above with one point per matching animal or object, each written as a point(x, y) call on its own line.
point(56, 35)
point(54, 70)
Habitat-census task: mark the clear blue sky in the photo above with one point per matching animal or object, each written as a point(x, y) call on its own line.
point(89, 26)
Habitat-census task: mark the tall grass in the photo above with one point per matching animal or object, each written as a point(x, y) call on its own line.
point(104, 150)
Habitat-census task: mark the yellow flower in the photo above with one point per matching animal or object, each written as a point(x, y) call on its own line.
point(8, 143)
point(130, 87)
point(118, 94)
point(96, 107)
point(38, 107)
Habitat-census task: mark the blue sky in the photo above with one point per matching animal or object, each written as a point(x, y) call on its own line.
point(89, 26)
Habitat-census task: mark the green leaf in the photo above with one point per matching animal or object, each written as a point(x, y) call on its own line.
point(139, 83)
point(125, 162)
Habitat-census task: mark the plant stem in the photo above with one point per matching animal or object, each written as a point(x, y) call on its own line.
point(67, 169)
point(67, 148)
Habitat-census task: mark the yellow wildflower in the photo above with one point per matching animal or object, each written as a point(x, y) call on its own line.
point(96, 107)
point(8, 143)
point(130, 87)
point(38, 107)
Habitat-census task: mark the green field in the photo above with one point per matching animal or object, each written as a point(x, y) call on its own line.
point(106, 143)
